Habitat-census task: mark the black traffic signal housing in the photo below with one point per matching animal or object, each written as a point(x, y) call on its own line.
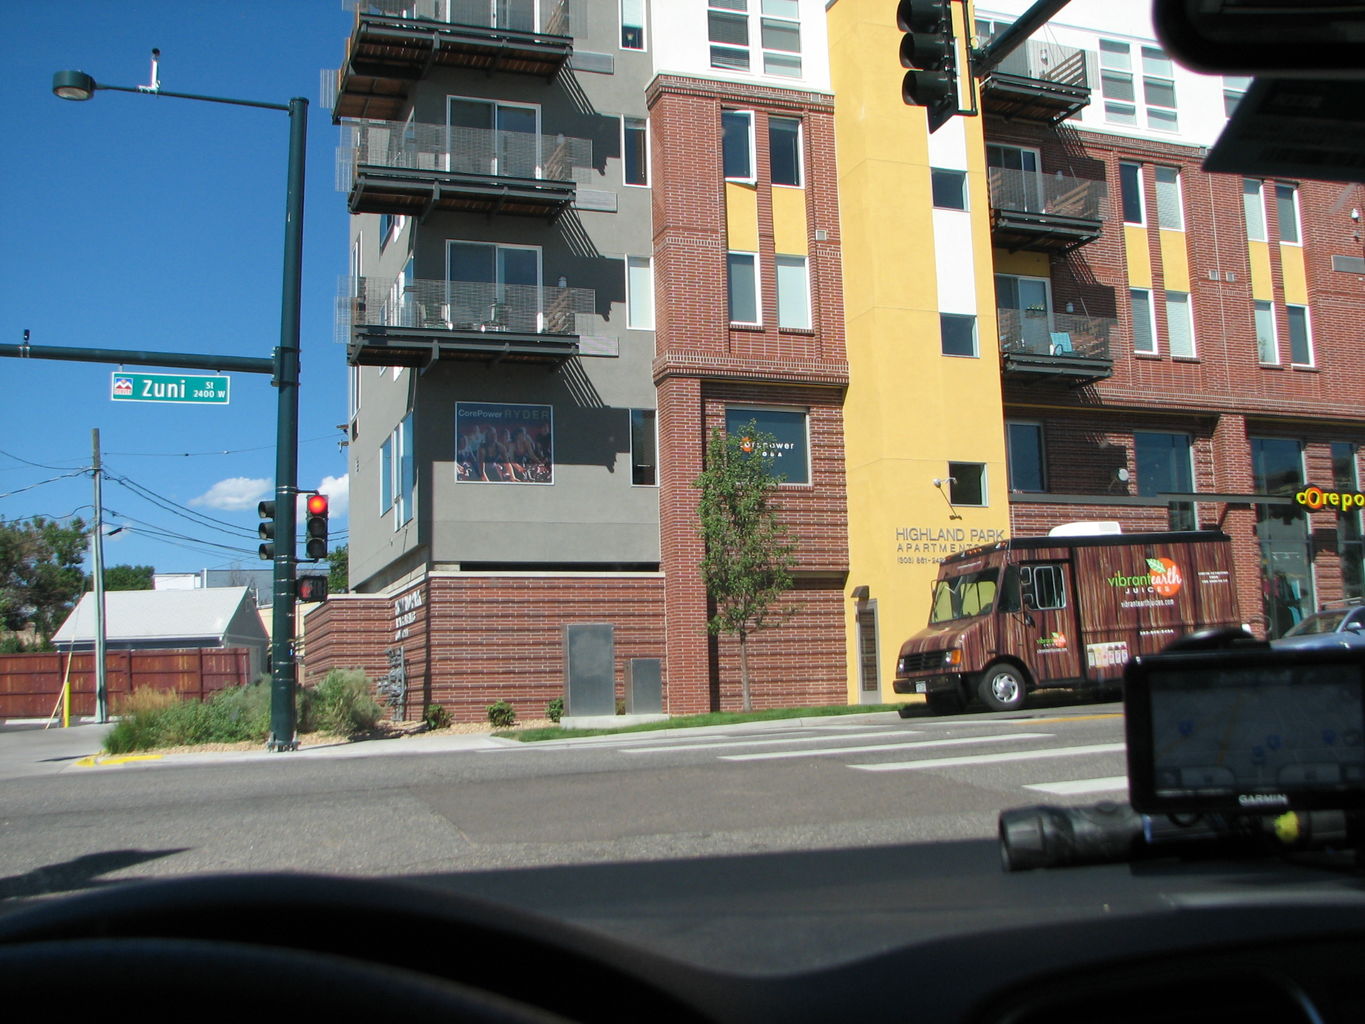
point(929, 49)
point(311, 588)
point(266, 531)
point(315, 527)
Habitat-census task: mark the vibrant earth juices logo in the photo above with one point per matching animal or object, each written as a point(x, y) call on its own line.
point(1163, 577)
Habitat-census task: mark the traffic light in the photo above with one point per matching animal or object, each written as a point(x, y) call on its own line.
point(929, 49)
point(266, 531)
point(311, 588)
point(315, 527)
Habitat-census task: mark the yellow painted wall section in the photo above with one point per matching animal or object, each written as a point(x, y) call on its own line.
point(1262, 286)
point(1021, 264)
point(741, 216)
point(908, 410)
point(1175, 261)
point(1138, 255)
point(1295, 279)
point(790, 236)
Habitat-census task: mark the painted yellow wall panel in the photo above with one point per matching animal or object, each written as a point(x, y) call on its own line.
point(1138, 255)
point(1295, 280)
point(789, 221)
point(741, 216)
point(1175, 261)
point(1262, 287)
point(1022, 264)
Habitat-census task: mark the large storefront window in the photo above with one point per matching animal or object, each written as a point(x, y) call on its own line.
point(1350, 542)
point(1282, 530)
point(1164, 464)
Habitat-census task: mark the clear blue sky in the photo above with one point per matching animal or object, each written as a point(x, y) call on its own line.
point(152, 223)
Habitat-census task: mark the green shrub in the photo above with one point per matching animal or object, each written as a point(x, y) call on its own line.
point(502, 714)
point(237, 714)
point(343, 703)
point(554, 711)
point(436, 717)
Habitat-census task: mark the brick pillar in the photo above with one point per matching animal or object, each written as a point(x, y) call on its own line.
point(1233, 475)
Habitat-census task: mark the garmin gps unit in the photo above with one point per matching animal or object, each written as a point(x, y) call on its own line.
point(1246, 731)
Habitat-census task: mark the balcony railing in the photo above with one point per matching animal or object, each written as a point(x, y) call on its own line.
point(546, 17)
point(1038, 344)
point(1044, 212)
point(408, 323)
point(1040, 81)
point(396, 167)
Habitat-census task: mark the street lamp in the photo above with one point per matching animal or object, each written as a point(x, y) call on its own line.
point(77, 85)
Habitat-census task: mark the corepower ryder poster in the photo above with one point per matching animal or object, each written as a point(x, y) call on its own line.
point(504, 444)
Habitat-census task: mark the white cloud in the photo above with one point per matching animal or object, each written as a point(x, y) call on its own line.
point(234, 494)
point(338, 491)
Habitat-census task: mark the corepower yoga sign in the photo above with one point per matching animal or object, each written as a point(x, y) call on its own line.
point(1316, 499)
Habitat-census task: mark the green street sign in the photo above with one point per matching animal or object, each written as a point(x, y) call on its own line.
point(169, 387)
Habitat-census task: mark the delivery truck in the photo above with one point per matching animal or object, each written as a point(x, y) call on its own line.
point(1034, 612)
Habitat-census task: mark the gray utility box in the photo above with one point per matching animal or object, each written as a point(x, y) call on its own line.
point(589, 670)
point(644, 686)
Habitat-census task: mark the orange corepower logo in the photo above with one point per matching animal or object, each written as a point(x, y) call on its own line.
point(1316, 498)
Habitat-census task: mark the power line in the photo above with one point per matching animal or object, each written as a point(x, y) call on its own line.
point(226, 451)
point(152, 530)
point(39, 465)
point(168, 505)
point(40, 483)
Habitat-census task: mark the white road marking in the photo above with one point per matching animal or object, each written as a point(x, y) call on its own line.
point(914, 745)
point(1014, 755)
point(1112, 784)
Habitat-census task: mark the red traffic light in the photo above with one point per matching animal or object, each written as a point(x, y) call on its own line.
point(317, 504)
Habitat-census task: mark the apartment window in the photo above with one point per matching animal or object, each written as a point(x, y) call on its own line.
point(1024, 444)
point(1253, 210)
point(957, 334)
point(737, 144)
point(632, 24)
point(495, 138)
point(493, 287)
point(1144, 323)
point(1267, 338)
point(389, 227)
point(1283, 533)
point(639, 293)
point(788, 455)
point(644, 448)
point(1165, 463)
point(1234, 88)
point(1015, 178)
point(784, 150)
point(742, 278)
point(793, 292)
point(1287, 208)
point(1130, 189)
point(1300, 339)
point(405, 482)
point(967, 483)
point(1169, 213)
point(1350, 539)
point(353, 390)
point(1180, 324)
point(1119, 90)
point(949, 188)
point(386, 475)
point(1024, 313)
point(634, 151)
point(780, 32)
point(1158, 89)
point(727, 23)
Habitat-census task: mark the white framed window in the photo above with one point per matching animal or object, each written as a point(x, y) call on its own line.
point(1169, 211)
point(727, 25)
point(1267, 336)
point(1023, 309)
point(734, 25)
point(632, 24)
point(494, 137)
point(493, 287)
point(957, 334)
point(1158, 89)
point(1116, 82)
point(390, 227)
point(742, 287)
point(1130, 193)
point(1118, 86)
point(1144, 321)
point(784, 151)
point(1234, 88)
point(780, 35)
point(644, 448)
point(386, 475)
point(1300, 336)
point(405, 472)
point(639, 293)
point(353, 390)
point(1016, 178)
point(949, 188)
point(1180, 325)
point(737, 145)
point(1026, 465)
point(1253, 210)
point(1287, 207)
point(967, 483)
point(634, 151)
point(793, 292)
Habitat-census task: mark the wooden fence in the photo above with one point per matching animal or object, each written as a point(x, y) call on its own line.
point(31, 684)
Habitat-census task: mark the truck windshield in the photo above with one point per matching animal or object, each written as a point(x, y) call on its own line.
point(961, 597)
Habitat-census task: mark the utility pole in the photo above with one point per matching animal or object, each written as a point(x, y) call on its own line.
point(97, 575)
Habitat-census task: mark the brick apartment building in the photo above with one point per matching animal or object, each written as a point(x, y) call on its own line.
point(588, 232)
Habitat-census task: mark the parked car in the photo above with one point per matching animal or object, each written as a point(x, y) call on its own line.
point(1342, 626)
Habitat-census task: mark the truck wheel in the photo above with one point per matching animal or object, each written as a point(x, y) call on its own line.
point(1001, 688)
point(945, 702)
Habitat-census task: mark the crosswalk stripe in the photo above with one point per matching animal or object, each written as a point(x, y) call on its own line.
point(741, 742)
point(913, 745)
point(1014, 755)
point(1076, 787)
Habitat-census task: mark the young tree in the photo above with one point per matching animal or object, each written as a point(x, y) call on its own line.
point(749, 554)
point(129, 577)
point(338, 575)
point(40, 572)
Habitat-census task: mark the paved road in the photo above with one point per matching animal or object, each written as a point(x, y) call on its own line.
point(829, 836)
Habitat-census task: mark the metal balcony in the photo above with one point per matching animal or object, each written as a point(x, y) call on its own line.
point(1041, 82)
point(415, 323)
point(1036, 345)
point(413, 169)
point(1042, 212)
point(396, 42)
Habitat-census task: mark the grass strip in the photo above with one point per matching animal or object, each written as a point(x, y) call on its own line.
point(697, 721)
